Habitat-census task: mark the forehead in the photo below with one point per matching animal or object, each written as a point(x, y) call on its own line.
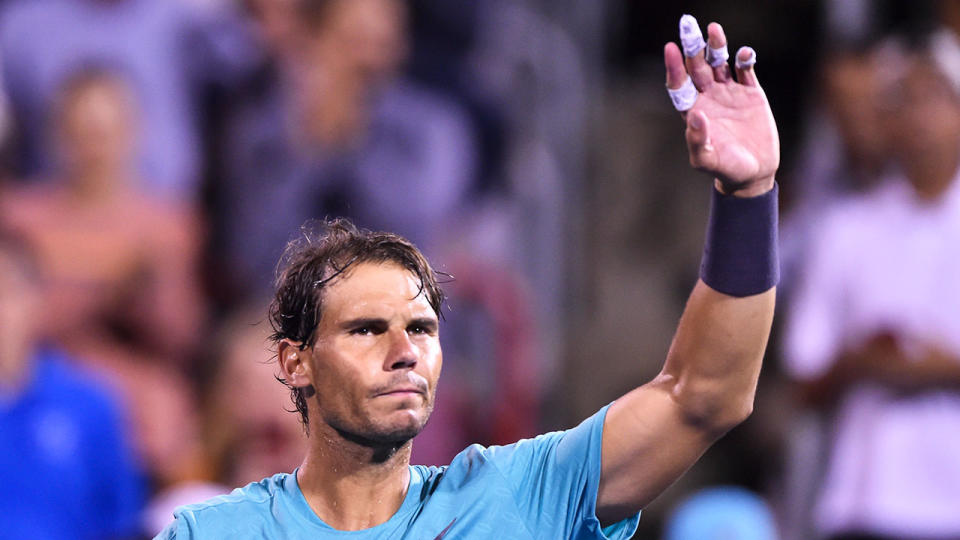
point(375, 289)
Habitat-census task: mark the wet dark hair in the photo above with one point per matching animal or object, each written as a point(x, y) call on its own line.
point(324, 250)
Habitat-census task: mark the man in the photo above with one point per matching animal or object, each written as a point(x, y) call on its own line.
point(336, 130)
point(874, 333)
point(146, 40)
point(356, 320)
point(65, 458)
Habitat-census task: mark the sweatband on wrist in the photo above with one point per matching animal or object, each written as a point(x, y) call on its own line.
point(740, 255)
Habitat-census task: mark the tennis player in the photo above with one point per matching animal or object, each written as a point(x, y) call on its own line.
point(356, 319)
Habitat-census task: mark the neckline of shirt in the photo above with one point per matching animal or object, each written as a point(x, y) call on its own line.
point(302, 509)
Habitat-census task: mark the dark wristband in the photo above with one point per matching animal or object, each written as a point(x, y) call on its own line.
point(740, 255)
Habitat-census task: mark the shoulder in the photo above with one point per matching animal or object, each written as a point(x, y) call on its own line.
point(556, 446)
point(257, 509)
point(63, 377)
point(238, 503)
point(237, 513)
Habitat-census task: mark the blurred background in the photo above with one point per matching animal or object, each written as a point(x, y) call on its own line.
point(156, 155)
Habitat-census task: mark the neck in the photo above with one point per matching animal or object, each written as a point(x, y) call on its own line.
point(98, 183)
point(932, 178)
point(351, 485)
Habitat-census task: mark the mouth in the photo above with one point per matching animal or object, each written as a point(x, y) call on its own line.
point(401, 392)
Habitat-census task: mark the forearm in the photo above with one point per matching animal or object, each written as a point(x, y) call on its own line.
point(714, 361)
point(657, 431)
point(936, 369)
point(886, 366)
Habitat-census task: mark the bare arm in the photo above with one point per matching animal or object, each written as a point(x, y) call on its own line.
point(656, 432)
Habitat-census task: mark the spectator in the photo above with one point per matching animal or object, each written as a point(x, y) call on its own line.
point(241, 444)
point(145, 39)
point(118, 266)
point(250, 443)
point(874, 333)
point(67, 467)
point(340, 132)
point(846, 145)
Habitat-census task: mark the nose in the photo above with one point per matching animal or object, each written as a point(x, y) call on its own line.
point(402, 353)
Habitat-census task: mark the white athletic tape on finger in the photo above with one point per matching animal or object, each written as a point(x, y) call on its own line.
point(690, 36)
point(751, 60)
point(717, 57)
point(684, 97)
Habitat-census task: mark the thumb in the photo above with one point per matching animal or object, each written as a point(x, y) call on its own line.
point(698, 139)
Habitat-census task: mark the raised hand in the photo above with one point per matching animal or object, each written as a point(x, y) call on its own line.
point(731, 132)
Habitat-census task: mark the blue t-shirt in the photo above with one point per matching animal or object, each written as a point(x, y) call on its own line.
point(544, 487)
point(66, 463)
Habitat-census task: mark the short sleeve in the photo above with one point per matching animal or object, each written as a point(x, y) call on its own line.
point(178, 529)
point(555, 478)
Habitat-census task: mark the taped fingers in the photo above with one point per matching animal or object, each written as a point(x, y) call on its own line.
point(717, 57)
point(691, 38)
point(746, 58)
point(717, 52)
point(683, 98)
point(680, 87)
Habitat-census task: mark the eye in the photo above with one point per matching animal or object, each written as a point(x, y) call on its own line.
point(361, 331)
point(422, 329)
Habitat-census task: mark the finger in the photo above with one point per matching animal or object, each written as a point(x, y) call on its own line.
point(673, 61)
point(679, 85)
point(717, 54)
point(746, 58)
point(702, 152)
point(693, 47)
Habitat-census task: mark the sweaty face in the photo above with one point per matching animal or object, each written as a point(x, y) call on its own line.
point(377, 357)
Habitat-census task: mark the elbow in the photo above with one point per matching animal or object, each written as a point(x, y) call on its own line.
point(712, 410)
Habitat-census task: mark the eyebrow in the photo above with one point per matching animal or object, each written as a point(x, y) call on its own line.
point(430, 323)
point(363, 321)
point(427, 322)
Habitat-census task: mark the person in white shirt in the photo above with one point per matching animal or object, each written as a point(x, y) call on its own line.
point(873, 332)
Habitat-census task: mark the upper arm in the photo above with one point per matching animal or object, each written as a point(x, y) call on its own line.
point(653, 434)
point(648, 443)
point(554, 479)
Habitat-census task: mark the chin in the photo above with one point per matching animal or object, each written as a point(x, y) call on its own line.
point(401, 431)
point(394, 430)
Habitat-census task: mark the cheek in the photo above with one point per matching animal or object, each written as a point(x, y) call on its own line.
point(432, 360)
point(341, 375)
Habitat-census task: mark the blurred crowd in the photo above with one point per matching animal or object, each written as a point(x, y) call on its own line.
point(157, 155)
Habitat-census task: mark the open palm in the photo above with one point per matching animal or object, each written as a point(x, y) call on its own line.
point(731, 132)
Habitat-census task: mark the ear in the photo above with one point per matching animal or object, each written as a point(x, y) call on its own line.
point(295, 365)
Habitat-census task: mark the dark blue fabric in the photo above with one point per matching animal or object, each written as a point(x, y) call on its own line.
point(740, 255)
point(65, 463)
